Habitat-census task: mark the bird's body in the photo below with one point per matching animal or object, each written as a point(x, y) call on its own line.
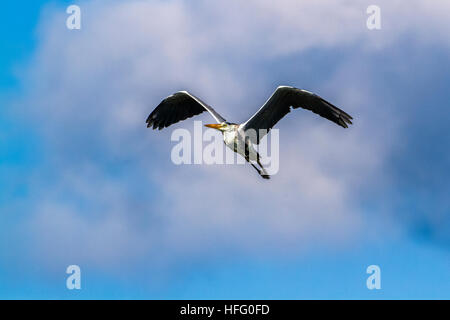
point(240, 138)
point(235, 140)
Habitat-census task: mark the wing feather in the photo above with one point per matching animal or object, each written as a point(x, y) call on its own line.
point(177, 107)
point(280, 103)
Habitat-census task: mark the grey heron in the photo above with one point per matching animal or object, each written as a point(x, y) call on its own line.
point(182, 105)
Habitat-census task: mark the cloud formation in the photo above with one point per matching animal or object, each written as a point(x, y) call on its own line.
point(108, 191)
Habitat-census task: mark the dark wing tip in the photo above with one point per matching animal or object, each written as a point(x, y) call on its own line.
point(149, 120)
point(347, 119)
point(344, 121)
point(343, 118)
point(176, 107)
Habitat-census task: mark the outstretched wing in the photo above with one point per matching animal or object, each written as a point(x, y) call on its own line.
point(280, 103)
point(178, 107)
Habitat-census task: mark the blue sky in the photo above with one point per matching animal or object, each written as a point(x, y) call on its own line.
point(84, 182)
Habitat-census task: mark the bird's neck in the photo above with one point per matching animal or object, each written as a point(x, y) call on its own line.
point(231, 127)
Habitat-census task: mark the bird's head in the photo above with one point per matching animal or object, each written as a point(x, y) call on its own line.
point(218, 126)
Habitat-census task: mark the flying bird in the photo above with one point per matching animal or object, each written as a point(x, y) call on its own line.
point(241, 137)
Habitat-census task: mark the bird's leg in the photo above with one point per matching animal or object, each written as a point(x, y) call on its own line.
point(259, 171)
point(263, 171)
point(247, 158)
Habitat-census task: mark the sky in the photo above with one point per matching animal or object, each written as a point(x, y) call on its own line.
point(84, 182)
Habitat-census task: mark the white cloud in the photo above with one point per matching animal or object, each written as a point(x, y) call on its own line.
point(94, 88)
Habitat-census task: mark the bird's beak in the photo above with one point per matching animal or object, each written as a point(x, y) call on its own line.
point(216, 126)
